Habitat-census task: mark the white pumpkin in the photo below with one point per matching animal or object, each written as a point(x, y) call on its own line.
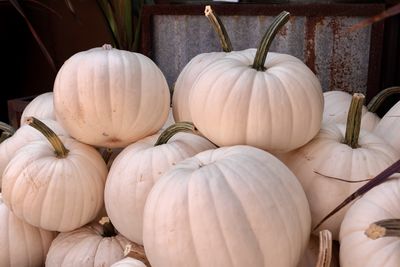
point(336, 109)
point(23, 136)
point(136, 170)
point(128, 262)
point(21, 244)
point(229, 207)
point(40, 107)
point(110, 98)
point(88, 246)
point(356, 249)
point(389, 127)
point(53, 187)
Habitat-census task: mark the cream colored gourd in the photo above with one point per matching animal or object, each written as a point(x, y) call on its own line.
point(136, 170)
point(110, 98)
point(21, 244)
point(128, 262)
point(329, 169)
point(356, 249)
point(230, 207)
point(268, 100)
point(336, 109)
point(389, 127)
point(23, 136)
point(88, 246)
point(55, 187)
point(40, 107)
point(189, 74)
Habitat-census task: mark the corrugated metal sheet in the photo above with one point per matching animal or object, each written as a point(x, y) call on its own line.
point(340, 59)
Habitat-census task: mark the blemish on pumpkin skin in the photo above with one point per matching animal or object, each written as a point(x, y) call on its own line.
point(105, 134)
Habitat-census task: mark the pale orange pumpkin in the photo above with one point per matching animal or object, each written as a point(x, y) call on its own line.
point(40, 107)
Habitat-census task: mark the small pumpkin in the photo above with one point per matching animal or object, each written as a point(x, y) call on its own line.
point(128, 262)
point(339, 160)
point(94, 245)
point(40, 107)
point(21, 244)
point(356, 249)
point(189, 74)
point(110, 98)
point(54, 185)
point(138, 167)
point(268, 100)
point(228, 207)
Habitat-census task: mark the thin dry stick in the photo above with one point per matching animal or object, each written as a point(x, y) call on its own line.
point(325, 249)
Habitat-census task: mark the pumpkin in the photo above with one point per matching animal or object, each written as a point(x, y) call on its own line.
point(110, 98)
point(40, 107)
point(228, 207)
point(268, 100)
point(339, 160)
point(128, 262)
point(55, 185)
point(90, 246)
point(336, 109)
point(188, 75)
point(389, 126)
point(21, 244)
point(24, 135)
point(356, 249)
point(136, 169)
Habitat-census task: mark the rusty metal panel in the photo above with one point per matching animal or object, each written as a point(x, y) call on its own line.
point(339, 58)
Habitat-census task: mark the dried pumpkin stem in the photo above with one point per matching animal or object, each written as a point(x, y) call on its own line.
point(377, 100)
point(219, 28)
point(325, 249)
point(353, 125)
point(59, 149)
point(263, 49)
point(7, 131)
point(136, 251)
point(174, 129)
point(108, 227)
point(384, 228)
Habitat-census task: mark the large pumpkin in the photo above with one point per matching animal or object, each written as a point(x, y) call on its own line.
point(268, 100)
point(110, 98)
point(356, 249)
point(135, 171)
point(230, 207)
point(57, 186)
point(21, 244)
point(331, 167)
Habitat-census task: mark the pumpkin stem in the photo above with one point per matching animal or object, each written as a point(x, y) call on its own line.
point(377, 100)
point(182, 126)
point(7, 131)
point(59, 149)
point(136, 251)
point(263, 49)
point(219, 28)
point(353, 125)
point(107, 47)
point(383, 228)
point(325, 249)
point(106, 154)
point(108, 227)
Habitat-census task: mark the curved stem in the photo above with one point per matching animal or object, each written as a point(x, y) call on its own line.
point(383, 228)
point(325, 249)
point(353, 125)
point(219, 28)
point(263, 49)
point(377, 100)
point(60, 150)
point(174, 129)
point(7, 128)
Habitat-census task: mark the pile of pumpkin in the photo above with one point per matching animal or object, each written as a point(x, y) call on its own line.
point(98, 174)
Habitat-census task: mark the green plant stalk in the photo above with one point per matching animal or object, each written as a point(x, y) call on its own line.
point(59, 149)
point(263, 49)
point(384, 228)
point(377, 100)
point(107, 11)
point(174, 129)
point(353, 125)
point(219, 28)
point(135, 45)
